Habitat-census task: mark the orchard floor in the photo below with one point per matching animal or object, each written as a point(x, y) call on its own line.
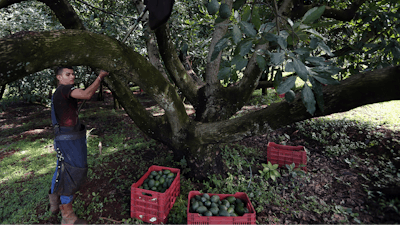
point(332, 179)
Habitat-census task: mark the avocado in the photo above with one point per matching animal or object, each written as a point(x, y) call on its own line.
point(207, 213)
point(214, 211)
point(290, 96)
point(223, 212)
point(213, 7)
point(231, 199)
point(194, 205)
point(224, 11)
point(154, 173)
point(151, 183)
point(201, 209)
point(240, 211)
point(226, 203)
point(214, 198)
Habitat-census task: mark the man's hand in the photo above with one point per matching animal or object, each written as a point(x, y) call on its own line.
point(103, 74)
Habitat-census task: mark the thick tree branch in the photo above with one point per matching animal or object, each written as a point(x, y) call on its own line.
point(174, 66)
point(152, 49)
point(65, 14)
point(342, 15)
point(358, 90)
point(32, 52)
point(212, 67)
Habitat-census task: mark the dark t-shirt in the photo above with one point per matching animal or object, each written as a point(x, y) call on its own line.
point(65, 106)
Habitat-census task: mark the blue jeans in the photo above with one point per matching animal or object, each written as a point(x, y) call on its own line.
point(75, 154)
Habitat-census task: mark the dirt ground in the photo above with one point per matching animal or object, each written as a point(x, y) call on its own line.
point(323, 170)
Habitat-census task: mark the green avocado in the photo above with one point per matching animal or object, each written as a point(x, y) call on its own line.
point(214, 198)
point(223, 212)
point(214, 211)
point(290, 96)
point(201, 209)
point(213, 7)
point(224, 11)
point(207, 213)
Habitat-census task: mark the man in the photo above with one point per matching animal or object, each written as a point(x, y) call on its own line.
point(69, 143)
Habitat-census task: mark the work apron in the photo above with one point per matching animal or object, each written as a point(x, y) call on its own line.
point(71, 148)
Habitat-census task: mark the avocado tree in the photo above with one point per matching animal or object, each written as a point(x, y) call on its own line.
point(346, 52)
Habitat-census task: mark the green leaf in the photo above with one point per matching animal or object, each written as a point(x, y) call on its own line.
point(312, 31)
point(286, 85)
point(326, 79)
point(282, 42)
point(236, 34)
point(278, 78)
point(266, 27)
point(273, 177)
point(246, 13)
point(244, 47)
point(299, 35)
point(326, 71)
point(277, 58)
point(224, 73)
point(308, 99)
point(255, 18)
point(275, 166)
point(239, 62)
point(317, 87)
point(303, 51)
point(238, 3)
point(325, 48)
point(314, 43)
point(396, 52)
point(313, 14)
point(261, 62)
point(248, 29)
point(300, 69)
point(221, 44)
point(289, 67)
point(317, 61)
point(270, 37)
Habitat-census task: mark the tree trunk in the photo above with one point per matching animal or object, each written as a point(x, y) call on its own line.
point(100, 96)
point(116, 103)
point(2, 90)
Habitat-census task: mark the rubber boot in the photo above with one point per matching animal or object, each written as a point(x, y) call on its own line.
point(54, 203)
point(68, 215)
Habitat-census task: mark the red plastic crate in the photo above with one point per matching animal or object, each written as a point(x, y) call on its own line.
point(154, 208)
point(284, 154)
point(247, 218)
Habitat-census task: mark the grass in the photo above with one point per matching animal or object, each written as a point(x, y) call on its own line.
point(25, 175)
point(386, 114)
point(24, 179)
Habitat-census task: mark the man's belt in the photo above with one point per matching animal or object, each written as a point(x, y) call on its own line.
point(70, 134)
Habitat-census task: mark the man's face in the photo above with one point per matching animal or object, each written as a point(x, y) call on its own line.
point(67, 77)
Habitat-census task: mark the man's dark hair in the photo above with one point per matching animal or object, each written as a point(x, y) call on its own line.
point(59, 69)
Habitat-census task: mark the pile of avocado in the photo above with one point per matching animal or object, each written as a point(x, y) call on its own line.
point(158, 181)
point(214, 206)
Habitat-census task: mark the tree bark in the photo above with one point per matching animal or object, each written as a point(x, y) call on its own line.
point(2, 90)
point(342, 15)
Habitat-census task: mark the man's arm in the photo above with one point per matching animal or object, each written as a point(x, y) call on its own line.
point(89, 92)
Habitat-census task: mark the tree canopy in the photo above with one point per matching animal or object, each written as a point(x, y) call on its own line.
point(212, 55)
